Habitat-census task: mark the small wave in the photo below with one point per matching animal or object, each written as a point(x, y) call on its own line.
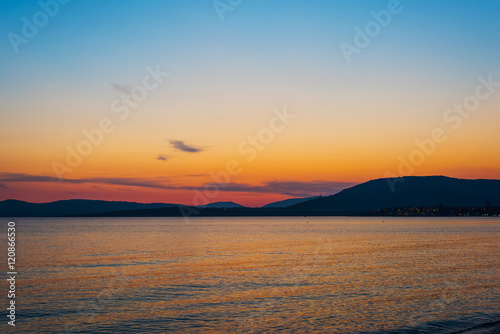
point(471, 324)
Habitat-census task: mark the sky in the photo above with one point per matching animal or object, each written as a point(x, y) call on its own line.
point(248, 101)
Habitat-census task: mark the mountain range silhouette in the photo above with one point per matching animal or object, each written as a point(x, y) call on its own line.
point(362, 199)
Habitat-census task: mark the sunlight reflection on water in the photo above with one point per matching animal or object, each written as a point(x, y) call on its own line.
point(335, 275)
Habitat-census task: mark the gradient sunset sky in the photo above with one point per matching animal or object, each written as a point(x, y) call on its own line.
point(353, 121)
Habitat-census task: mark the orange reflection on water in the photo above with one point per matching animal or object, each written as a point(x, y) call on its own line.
point(250, 274)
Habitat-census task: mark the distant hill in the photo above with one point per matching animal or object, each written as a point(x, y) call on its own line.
point(189, 211)
point(15, 208)
point(221, 205)
point(362, 199)
point(415, 191)
point(288, 202)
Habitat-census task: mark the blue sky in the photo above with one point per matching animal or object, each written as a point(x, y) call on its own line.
point(94, 39)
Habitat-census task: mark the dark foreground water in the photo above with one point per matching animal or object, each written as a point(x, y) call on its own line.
point(295, 275)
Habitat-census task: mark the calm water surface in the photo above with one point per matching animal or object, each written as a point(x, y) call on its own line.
point(295, 275)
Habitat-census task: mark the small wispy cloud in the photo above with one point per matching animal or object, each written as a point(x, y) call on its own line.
point(121, 88)
point(163, 157)
point(132, 182)
point(291, 188)
point(181, 146)
point(3, 186)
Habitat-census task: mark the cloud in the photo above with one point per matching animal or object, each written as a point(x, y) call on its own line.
point(121, 88)
point(3, 186)
point(313, 188)
point(163, 157)
point(181, 146)
point(290, 188)
point(22, 177)
point(133, 182)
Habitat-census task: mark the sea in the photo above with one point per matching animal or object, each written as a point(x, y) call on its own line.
point(255, 275)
